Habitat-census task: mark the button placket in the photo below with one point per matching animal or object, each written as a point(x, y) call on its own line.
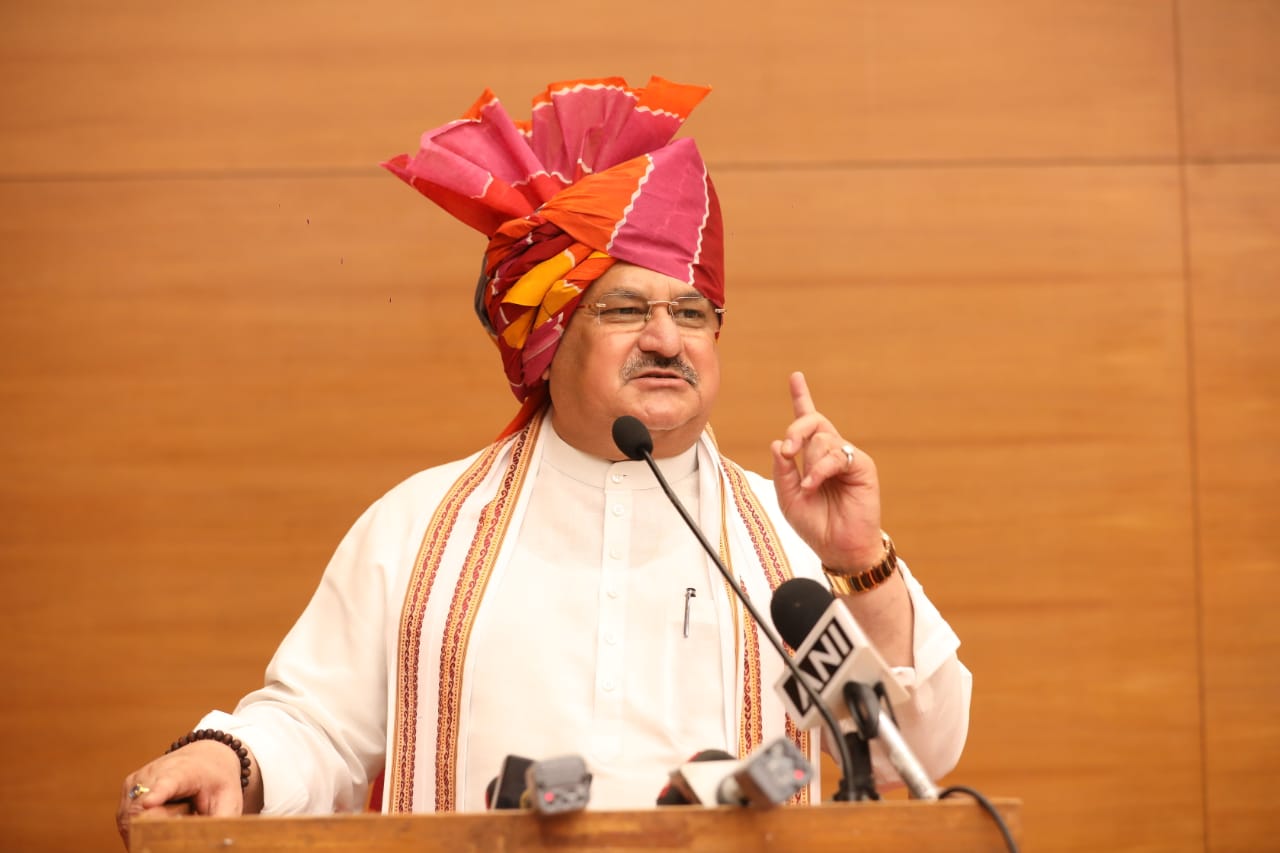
point(611, 636)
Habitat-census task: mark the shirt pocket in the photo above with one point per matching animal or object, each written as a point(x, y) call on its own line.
point(693, 673)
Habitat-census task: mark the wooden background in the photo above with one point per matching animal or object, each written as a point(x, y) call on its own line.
point(1027, 251)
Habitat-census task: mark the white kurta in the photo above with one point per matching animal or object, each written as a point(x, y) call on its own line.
point(592, 611)
point(580, 647)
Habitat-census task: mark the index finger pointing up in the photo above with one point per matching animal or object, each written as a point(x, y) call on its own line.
point(801, 402)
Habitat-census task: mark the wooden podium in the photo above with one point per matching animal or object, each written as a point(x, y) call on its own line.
point(894, 825)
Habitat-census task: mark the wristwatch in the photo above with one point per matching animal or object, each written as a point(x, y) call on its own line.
point(871, 578)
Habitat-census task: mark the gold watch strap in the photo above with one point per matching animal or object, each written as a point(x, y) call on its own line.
point(871, 578)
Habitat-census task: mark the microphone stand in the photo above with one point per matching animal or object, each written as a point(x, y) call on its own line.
point(867, 705)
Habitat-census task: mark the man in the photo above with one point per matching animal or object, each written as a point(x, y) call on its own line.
point(541, 597)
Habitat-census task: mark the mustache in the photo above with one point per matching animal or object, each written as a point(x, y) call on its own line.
point(638, 364)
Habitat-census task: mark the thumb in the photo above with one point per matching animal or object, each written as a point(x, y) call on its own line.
point(225, 802)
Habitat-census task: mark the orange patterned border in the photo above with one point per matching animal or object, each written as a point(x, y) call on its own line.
point(421, 582)
point(490, 533)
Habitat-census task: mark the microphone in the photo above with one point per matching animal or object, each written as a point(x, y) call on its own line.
point(687, 785)
point(549, 787)
point(836, 662)
point(769, 777)
point(633, 439)
point(505, 789)
point(557, 785)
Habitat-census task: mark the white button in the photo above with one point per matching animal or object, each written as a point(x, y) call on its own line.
point(611, 638)
point(618, 509)
point(612, 592)
point(615, 552)
point(607, 684)
point(617, 478)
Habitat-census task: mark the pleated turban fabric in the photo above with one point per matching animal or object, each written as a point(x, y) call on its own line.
point(593, 177)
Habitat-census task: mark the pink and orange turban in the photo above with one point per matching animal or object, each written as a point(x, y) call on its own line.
point(593, 177)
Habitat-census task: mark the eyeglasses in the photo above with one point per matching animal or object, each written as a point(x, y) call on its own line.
point(632, 313)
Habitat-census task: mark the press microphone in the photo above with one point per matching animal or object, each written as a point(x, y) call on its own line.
point(633, 439)
point(549, 787)
point(771, 776)
point(557, 785)
point(505, 790)
point(687, 785)
point(836, 661)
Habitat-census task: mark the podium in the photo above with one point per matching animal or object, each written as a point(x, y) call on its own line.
point(868, 827)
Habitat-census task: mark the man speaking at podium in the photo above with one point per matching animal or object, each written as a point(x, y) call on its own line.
point(542, 597)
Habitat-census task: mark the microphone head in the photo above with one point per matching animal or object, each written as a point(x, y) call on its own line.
point(796, 607)
point(509, 784)
point(632, 437)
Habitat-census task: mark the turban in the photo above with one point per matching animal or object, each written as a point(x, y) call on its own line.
point(593, 177)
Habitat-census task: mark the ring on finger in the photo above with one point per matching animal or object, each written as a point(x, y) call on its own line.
point(138, 790)
point(847, 450)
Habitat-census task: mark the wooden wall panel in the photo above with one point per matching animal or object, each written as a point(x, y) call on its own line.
point(1231, 78)
point(204, 383)
point(1235, 255)
point(224, 331)
point(1010, 345)
point(152, 86)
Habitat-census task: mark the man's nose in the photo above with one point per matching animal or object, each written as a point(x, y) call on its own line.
point(660, 333)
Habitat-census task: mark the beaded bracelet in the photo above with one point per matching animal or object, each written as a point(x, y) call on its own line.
point(220, 737)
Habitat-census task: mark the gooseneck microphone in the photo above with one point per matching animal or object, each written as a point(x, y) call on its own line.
point(633, 439)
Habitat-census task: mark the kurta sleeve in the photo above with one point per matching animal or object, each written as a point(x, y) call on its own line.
point(935, 719)
point(317, 727)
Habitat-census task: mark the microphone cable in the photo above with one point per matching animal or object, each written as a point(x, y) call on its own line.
point(952, 790)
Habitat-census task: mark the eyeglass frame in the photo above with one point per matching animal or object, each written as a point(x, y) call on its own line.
point(596, 307)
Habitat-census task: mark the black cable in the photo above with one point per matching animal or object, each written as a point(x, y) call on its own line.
point(990, 809)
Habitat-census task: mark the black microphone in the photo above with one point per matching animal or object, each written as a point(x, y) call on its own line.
point(633, 439)
point(836, 661)
point(505, 790)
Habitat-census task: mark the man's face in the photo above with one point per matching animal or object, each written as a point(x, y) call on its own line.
point(663, 374)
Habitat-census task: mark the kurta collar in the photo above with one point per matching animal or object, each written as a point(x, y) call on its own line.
point(603, 473)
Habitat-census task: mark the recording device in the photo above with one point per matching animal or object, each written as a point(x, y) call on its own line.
point(549, 787)
point(557, 785)
point(836, 661)
point(769, 777)
point(633, 439)
point(689, 786)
